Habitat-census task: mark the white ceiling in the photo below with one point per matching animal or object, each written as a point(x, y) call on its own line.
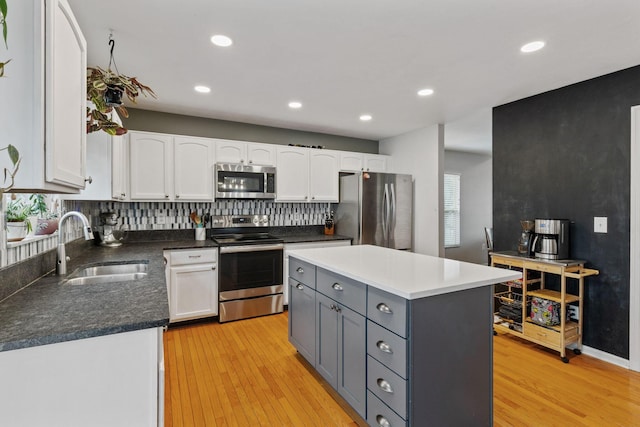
point(343, 58)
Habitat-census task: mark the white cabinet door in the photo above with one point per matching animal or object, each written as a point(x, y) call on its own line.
point(65, 99)
point(323, 176)
point(228, 151)
point(193, 168)
point(151, 166)
point(351, 162)
point(106, 167)
point(376, 163)
point(43, 96)
point(119, 168)
point(110, 380)
point(261, 154)
point(193, 291)
point(292, 179)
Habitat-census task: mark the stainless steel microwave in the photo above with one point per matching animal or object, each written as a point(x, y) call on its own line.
point(234, 181)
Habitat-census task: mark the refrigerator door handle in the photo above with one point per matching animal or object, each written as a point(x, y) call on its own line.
point(385, 214)
point(392, 221)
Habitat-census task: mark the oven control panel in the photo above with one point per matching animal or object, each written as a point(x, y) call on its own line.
point(231, 221)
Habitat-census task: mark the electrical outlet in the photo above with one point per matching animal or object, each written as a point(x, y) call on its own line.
point(574, 313)
point(599, 224)
point(161, 220)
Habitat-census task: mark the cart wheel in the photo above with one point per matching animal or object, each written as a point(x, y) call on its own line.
point(564, 360)
point(577, 351)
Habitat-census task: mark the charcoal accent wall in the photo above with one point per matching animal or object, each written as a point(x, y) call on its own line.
point(566, 154)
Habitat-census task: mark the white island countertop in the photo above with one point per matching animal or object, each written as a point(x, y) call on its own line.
point(406, 274)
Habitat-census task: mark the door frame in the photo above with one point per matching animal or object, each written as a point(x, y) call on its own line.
point(634, 260)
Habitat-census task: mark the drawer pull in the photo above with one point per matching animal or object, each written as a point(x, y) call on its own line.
point(384, 385)
point(195, 256)
point(337, 287)
point(384, 347)
point(299, 286)
point(300, 270)
point(382, 421)
point(384, 308)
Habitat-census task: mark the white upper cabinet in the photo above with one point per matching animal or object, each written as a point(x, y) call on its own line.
point(43, 103)
point(307, 175)
point(151, 166)
point(376, 163)
point(107, 160)
point(362, 162)
point(164, 167)
point(292, 177)
point(247, 153)
point(193, 168)
point(323, 176)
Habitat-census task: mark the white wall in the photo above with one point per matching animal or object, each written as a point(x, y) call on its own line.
point(476, 195)
point(421, 154)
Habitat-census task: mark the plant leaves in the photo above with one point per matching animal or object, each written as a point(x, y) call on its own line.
point(3, 11)
point(14, 154)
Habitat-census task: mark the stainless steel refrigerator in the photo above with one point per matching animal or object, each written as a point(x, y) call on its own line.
point(376, 209)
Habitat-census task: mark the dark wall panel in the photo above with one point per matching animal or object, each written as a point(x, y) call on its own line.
point(565, 154)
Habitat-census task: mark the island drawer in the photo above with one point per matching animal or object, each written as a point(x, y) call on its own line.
point(387, 310)
point(302, 271)
point(196, 256)
point(387, 347)
point(349, 292)
point(387, 386)
point(379, 414)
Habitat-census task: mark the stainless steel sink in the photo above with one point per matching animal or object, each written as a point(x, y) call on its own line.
point(108, 272)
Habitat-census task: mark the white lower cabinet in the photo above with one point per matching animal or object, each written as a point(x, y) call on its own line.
point(305, 245)
point(192, 283)
point(110, 380)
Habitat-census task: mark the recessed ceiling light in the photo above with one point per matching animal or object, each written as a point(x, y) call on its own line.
point(532, 47)
point(365, 117)
point(425, 92)
point(295, 104)
point(221, 40)
point(202, 89)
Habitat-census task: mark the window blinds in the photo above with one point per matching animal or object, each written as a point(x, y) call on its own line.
point(451, 210)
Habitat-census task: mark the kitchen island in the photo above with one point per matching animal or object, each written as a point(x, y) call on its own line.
point(405, 339)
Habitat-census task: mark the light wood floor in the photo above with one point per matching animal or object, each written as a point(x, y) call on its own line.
point(247, 374)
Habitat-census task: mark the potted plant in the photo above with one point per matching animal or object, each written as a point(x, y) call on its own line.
point(17, 217)
point(105, 89)
point(47, 221)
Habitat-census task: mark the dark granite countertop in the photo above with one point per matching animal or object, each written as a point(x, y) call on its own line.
point(47, 311)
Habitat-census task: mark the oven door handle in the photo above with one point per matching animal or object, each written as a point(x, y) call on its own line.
point(251, 248)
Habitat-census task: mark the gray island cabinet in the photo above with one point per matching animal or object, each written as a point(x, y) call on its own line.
point(405, 339)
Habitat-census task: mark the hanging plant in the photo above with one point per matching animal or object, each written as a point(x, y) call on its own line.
point(105, 89)
point(3, 22)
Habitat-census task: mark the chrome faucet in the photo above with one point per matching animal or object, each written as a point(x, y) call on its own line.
point(61, 255)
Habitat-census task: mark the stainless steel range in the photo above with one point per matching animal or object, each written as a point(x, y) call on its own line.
point(249, 267)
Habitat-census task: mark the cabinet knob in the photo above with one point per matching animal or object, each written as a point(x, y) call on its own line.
point(384, 347)
point(384, 308)
point(123, 195)
point(166, 196)
point(384, 385)
point(313, 197)
point(250, 161)
point(382, 421)
point(337, 287)
point(241, 160)
point(177, 196)
point(213, 268)
point(89, 180)
point(300, 270)
point(299, 286)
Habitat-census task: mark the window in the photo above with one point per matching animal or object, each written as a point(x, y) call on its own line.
point(451, 210)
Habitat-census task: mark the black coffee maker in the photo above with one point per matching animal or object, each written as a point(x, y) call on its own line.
point(525, 242)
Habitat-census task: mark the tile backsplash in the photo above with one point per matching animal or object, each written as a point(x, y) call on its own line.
point(175, 215)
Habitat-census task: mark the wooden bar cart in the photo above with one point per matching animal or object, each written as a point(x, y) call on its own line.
point(518, 295)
